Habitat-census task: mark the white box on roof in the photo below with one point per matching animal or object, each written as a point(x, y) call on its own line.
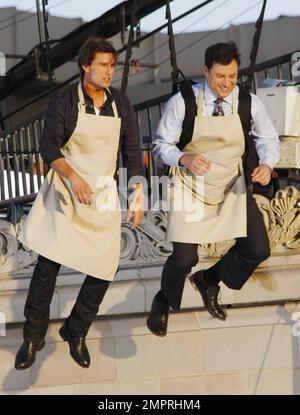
point(283, 106)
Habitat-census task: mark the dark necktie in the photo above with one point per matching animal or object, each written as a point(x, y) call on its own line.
point(218, 110)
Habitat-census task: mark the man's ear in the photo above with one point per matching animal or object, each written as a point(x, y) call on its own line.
point(205, 71)
point(86, 68)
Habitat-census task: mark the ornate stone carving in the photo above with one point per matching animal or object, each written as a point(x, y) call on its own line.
point(13, 255)
point(281, 217)
point(141, 246)
point(147, 245)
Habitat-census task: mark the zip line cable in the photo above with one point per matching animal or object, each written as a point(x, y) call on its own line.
point(218, 29)
point(202, 17)
point(186, 28)
point(182, 16)
point(32, 15)
point(17, 14)
point(198, 40)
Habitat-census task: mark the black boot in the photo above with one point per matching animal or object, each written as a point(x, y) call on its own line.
point(157, 321)
point(26, 354)
point(78, 348)
point(209, 295)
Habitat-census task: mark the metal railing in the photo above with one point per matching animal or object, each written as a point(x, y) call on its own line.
point(21, 167)
point(279, 68)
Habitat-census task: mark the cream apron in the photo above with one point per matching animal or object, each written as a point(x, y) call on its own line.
point(85, 238)
point(212, 207)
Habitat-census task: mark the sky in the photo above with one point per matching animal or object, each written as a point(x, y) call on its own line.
point(219, 13)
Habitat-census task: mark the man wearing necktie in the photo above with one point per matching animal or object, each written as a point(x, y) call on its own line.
point(210, 169)
point(218, 110)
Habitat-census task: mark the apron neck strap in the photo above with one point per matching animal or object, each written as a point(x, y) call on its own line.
point(114, 107)
point(235, 102)
point(80, 94)
point(201, 99)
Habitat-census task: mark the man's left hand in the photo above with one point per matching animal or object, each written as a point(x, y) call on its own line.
point(262, 174)
point(136, 207)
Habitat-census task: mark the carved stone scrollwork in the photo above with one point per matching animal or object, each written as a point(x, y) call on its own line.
point(281, 217)
point(12, 255)
point(146, 243)
point(140, 246)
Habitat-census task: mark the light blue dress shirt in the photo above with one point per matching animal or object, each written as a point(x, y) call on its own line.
point(169, 129)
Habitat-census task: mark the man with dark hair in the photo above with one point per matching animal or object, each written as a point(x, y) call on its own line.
point(94, 45)
point(84, 126)
point(223, 53)
point(210, 169)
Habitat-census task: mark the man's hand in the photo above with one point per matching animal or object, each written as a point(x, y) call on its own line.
point(262, 174)
point(136, 207)
point(79, 186)
point(81, 189)
point(197, 163)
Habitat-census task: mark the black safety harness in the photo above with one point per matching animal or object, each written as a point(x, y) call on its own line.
point(185, 86)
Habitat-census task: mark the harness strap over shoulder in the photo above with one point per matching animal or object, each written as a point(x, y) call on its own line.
point(188, 95)
point(250, 158)
point(244, 111)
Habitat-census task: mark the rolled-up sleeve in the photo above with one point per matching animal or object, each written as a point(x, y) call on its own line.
point(169, 131)
point(267, 141)
point(53, 136)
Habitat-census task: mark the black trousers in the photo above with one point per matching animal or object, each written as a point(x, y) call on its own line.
point(233, 269)
point(37, 307)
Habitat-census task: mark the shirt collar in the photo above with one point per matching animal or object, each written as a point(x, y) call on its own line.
point(89, 101)
point(210, 97)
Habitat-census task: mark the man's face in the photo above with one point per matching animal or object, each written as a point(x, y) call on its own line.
point(100, 72)
point(222, 79)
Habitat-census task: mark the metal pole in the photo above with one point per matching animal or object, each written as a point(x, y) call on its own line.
point(172, 48)
point(39, 21)
point(129, 47)
point(45, 19)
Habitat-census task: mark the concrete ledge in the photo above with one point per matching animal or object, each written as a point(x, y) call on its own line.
point(277, 280)
point(253, 352)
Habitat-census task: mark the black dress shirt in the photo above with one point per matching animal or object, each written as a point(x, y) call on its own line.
point(61, 119)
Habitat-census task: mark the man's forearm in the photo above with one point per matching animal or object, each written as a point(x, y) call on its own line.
point(167, 153)
point(62, 167)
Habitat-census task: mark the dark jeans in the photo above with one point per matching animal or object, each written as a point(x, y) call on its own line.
point(234, 268)
point(37, 307)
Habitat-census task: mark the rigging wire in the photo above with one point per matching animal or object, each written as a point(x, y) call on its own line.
point(186, 28)
point(46, 36)
point(38, 17)
point(196, 41)
point(218, 29)
point(17, 14)
point(32, 15)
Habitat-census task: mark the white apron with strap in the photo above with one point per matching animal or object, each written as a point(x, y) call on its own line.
point(85, 238)
point(211, 208)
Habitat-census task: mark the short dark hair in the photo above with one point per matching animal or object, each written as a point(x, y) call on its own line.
point(223, 53)
point(91, 46)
